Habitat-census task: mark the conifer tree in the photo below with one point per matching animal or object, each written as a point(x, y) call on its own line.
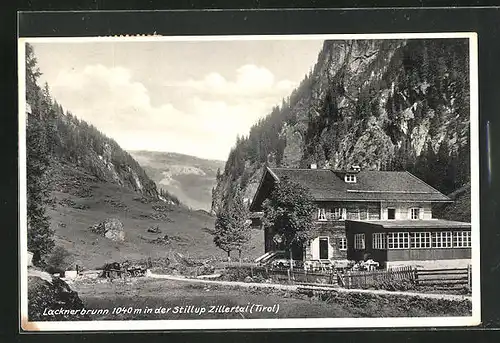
point(40, 236)
point(232, 228)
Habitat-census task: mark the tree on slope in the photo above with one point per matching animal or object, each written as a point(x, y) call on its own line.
point(232, 228)
point(289, 213)
point(40, 236)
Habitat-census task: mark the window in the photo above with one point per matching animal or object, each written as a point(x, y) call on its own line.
point(321, 214)
point(353, 214)
point(350, 178)
point(342, 243)
point(441, 239)
point(359, 241)
point(462, 239)
point(338, 214)
point(363, 213)
point(398, 240)
point(391, 213)
point(420, 240)
point(373, 213)
point(414, 213)
point(379, 241)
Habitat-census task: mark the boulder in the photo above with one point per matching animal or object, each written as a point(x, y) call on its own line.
point(46, 293)
point(248, 279)
point(154, 229)
point(111, 228)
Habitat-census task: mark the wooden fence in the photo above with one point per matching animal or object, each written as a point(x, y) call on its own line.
point(297, 276)
point(419, 277)
point(284, 275)
point(444, 277)
point(367, 279)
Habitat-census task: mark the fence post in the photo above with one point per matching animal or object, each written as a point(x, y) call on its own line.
point(415, 275)
point(288, 274)
point(469, 276)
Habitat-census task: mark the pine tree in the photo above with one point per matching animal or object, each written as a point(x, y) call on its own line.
point(40, 236)
point(241, 222)
point(232, 229)
point(224, 231)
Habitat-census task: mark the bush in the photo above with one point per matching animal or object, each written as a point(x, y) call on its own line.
point(236, 274)
point(395, 285)
point(44, 295)
point(58, 261)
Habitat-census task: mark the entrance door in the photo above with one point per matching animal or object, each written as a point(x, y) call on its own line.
point(323, 248)
point(391, 213)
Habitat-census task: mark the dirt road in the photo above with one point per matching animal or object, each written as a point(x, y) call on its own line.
point(319, 288)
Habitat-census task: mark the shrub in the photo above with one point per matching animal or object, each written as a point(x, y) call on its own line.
point(59, 260)
point(395, 285)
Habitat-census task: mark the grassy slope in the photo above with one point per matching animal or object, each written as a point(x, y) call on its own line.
point(90, 250)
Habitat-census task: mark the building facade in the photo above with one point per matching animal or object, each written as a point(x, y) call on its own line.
point(408, 242)
point(386, 205)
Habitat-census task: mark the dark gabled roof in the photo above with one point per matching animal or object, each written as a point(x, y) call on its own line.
point(415, 224)
point(328, 185)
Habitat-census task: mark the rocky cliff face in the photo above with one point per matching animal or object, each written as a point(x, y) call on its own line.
point(379, 104)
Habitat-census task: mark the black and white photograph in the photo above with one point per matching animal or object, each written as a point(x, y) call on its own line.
point(249, 182)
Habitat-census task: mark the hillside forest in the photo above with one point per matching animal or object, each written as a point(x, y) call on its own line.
point(379, 104)
point(54, 138)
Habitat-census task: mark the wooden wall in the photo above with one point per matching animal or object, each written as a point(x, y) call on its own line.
point(428, 254)
point(416, 254)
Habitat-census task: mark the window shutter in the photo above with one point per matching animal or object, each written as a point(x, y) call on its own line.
point(344, 213)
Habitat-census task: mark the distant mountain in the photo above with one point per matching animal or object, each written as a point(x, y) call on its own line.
point(188, 178)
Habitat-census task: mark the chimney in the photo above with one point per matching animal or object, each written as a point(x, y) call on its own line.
point(314, 166)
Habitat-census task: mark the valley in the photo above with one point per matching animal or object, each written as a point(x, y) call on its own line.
point(72, 213)
point(188, 178)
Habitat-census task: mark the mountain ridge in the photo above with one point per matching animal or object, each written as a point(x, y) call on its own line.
point(379, 104)
point(172, 153)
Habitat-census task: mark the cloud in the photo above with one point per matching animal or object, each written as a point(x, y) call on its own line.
point(250, 81)
point(207, 116)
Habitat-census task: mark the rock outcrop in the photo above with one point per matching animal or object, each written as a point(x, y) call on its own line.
point(111, 228)
point(379, 104)
point(51, 299)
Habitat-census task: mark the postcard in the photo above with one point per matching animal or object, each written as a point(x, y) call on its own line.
point(249, 182)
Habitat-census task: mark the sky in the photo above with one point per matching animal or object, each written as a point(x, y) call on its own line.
point(189, 97)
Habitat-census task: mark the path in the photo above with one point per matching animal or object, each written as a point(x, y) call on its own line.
point(319, 288)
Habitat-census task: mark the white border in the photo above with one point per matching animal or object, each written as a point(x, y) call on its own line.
point(295, 323)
